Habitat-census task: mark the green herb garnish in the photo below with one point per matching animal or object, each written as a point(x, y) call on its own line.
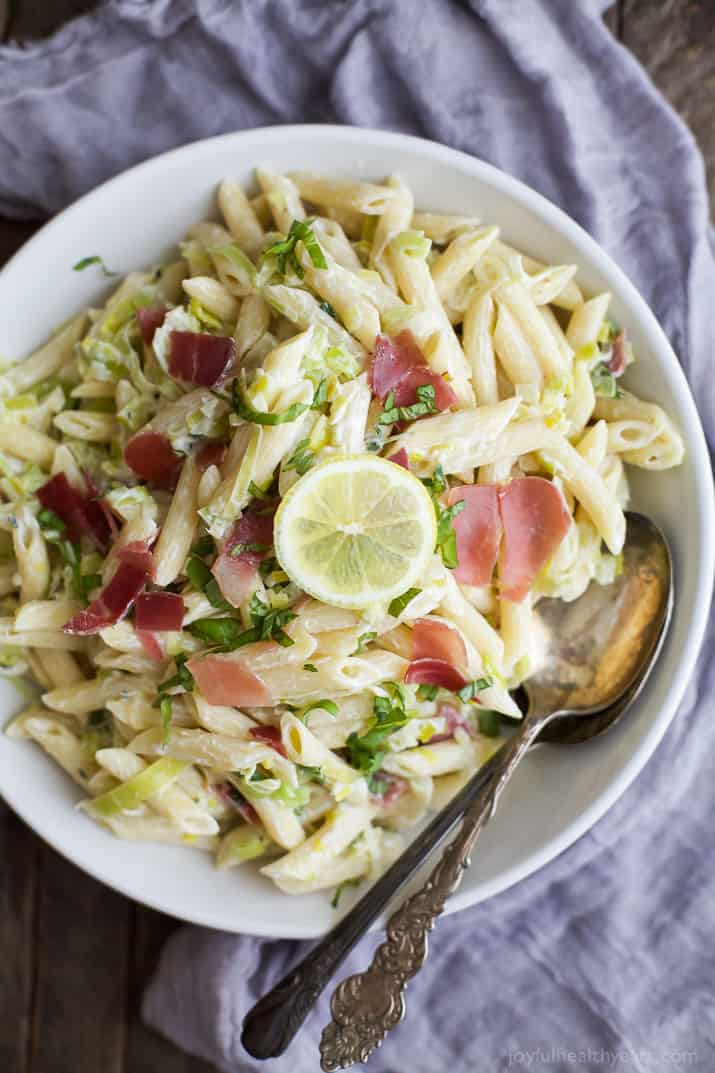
point(469, 692)
point(328, 706)
point(203, 580)
point(165, 708)
point(284, 250)
point(183, 679)
point(489, 723)
point(366, 751)
point(425, 404)
point(340, 888)
point(425, 692)
point(85, 262)
point(398, 605)
point(310, 667)
point(257, 492)
point(364, 640)
point(48, 520)
point(262, 417)
point(446, 543)
point(204, 546)
point(302, 458)
point(321, 396)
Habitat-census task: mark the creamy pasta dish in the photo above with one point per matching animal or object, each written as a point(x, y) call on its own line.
point(274, 519)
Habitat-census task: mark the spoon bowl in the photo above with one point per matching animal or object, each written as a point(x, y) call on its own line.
point(600, 648)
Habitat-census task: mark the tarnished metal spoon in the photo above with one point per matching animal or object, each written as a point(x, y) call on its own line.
point(599, 650)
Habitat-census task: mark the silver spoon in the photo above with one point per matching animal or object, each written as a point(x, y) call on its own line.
point(599, 651)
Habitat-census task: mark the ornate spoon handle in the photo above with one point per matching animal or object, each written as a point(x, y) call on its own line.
point(273, 1022)
point(367, 1005)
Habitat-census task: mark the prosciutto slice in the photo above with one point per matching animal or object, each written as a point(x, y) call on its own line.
point(199, 358)
point(211, 453)
point(432, 639)
point(454, 719)
point(619, 357)
point(236, 573)
point(82, 515)
point(149, 452)
point(152, 645)
point(400, 458)
point(159, 611)
point(398, 366)
point(535, 520)
point(149, 319)
point(224, 679)
point(419, 376)
point(150, 455)
point(478, 528)
point(137, 553)
point(113, 602)
point(434, 672)
point(269, 736)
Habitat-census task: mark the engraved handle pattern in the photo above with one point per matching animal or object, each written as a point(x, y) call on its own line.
point(367, 1005)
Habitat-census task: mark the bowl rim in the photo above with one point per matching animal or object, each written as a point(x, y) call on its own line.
point(591, 253)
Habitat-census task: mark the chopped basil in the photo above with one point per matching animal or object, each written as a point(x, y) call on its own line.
point(446, 537)
point(226, 632)
point(239, 549)
point(425, 404)
point(364, 640)
point(284, 250)
point(202, 579)
point(183, 679)
point(489, 723)
point(302, 458)
point(257, 492)
point(310, 667)
point(366, 751)
point(398, 605)
point(270, 622)
point(314, 773)
point(469, 692)
point(165, 708)
point(48, 520)
point(425, 692)
point(328, 706)
point(327, 308)
point(85, 262)
point(267, 566)
point(321, 396)
point(53, 527)
point(262, 417)
point(205, 545)
point(86, 582)
point(340, 888)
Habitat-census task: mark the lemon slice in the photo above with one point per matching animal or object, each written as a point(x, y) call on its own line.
point(355, 531)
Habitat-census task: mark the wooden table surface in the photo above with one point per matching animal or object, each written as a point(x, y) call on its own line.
point(75, 956)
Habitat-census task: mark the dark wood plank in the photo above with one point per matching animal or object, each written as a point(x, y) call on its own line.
point(675, 41)
point(19, 852)
point(79, 1015)
point(38, 18)
point(613, 18)
point(148, 1052)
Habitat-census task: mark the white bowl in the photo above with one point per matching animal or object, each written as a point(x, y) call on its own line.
point(135, 220)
